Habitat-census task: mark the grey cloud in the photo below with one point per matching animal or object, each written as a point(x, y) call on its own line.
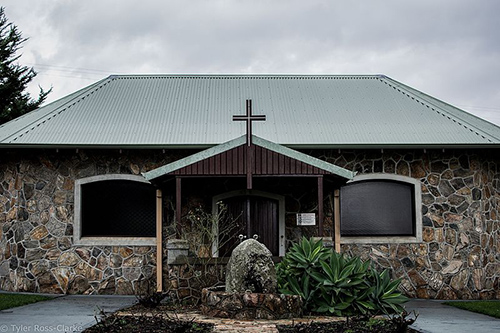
point(447, 48)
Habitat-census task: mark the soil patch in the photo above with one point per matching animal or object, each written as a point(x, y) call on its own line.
point(351, 326)
point(188, 318)
point(152, 324)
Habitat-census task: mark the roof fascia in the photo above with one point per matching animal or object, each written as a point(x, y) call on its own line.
point(493, 145)
point(277, 148)
point(200, 156)
point(291, 146)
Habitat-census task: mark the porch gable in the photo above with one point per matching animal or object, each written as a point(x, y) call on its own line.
point(230, 158)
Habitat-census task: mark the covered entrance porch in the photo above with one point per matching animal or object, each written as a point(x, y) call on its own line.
point(251, 186)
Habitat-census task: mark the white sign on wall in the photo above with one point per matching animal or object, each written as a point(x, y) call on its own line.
point(304, 219)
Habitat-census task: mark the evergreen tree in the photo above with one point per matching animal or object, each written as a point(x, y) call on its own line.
point(14, 78)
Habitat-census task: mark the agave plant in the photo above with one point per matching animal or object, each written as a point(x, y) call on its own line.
point(306, 255)
point(343, 287)
point(385, 294)
point(332, 283)
point(295, 271)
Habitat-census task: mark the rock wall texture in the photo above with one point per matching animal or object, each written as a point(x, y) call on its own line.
point(458, 258)
point(36, 225)
point(248, 306)
point(186, 281)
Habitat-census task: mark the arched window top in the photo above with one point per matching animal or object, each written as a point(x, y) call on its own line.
point(100, 178)
point(387, 177)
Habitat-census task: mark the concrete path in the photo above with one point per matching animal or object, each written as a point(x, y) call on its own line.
point(435, 317)
point(61, 314)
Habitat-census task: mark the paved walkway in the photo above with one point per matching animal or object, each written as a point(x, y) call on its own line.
point(435, 317)
point(62, 314)
point(75, 313)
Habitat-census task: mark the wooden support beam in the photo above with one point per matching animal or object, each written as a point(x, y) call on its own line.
point(159, 241)
point(249, 166)
point(178, 207)
point(336, 208)
point(320, 206)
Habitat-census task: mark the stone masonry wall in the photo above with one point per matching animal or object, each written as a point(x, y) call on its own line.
point(458, 257)
point(36, 224)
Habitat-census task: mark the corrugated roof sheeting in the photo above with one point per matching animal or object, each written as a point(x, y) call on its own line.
point(196, 110)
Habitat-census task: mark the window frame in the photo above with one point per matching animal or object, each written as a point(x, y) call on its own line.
point(104, 241)
point(417, 194)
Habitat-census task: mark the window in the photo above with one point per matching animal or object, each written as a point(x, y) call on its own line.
point(114, 210)
point(380, 208)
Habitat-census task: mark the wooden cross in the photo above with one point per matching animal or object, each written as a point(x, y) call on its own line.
point(248, 117)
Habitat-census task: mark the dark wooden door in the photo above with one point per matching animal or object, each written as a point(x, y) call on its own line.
point(249, 216)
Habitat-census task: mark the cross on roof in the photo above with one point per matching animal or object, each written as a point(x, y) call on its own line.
point(248, 117)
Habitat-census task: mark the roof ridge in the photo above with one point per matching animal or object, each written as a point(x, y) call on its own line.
point(430, 102)
point(58, 110)
point(246, 75)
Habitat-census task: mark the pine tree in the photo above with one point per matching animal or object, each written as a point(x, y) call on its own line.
point(14, 78)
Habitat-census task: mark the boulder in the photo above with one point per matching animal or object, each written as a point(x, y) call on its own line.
point(251, 268)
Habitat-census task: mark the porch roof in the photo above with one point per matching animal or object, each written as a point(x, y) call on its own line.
point(229, 158)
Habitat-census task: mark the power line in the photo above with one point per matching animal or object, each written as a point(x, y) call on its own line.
point(67, 76)
point(71, 69)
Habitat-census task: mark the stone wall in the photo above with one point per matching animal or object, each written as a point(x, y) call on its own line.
point(36, 224)
point(460, 253)
point(186, 280)
point(458, 257)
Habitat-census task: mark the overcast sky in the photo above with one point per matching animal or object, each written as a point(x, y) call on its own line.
point(449, 49)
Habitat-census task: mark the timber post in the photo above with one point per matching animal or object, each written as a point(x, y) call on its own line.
point(159, 241)
point(336, 208)
point(320, 206)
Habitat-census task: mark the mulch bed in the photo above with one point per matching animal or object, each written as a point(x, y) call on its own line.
point(351, 326)
point(148, 324)
point(142, 319)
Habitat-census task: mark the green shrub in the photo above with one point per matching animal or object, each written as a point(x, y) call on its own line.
point(385, 295)
point(343, 287)
point(333, 283)
point(294, 271)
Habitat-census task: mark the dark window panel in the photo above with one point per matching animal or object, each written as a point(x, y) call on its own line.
point(118, 208)
point(377, 208)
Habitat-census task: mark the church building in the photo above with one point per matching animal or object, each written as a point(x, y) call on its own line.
point(136, 179)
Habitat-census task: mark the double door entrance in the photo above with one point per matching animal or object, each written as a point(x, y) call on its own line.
point(250, 216)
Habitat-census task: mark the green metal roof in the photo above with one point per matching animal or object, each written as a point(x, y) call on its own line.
point(202, 155)
point(167, 111)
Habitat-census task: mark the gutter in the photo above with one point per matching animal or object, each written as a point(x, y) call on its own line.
point(293, 146)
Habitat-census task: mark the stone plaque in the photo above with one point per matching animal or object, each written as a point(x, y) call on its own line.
point(304, 219)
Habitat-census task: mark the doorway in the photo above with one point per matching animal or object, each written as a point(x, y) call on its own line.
point(249, 214)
